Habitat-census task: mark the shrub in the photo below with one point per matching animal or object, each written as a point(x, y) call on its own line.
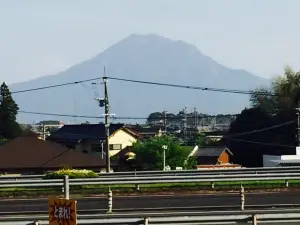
point(73, 173)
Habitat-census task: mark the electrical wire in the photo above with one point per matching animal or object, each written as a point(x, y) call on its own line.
point(55, 85)
point(261, 143)
point(260, 130)
point(152, 83)
point(194, 87)
point(118, 117)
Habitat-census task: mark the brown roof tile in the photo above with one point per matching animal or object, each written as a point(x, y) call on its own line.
point(30, 152)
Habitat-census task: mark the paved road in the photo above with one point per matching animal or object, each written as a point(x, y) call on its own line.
point(138, 202)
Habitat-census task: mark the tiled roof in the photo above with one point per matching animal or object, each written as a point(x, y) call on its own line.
point(75, 133)
point(211, 151)
point(30, 152)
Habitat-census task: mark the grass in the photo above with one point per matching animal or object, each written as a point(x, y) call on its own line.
point(87, 190)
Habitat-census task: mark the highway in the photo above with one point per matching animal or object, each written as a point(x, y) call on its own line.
point(151, 202)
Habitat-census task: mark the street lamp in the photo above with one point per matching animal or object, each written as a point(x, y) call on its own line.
point(164, 147)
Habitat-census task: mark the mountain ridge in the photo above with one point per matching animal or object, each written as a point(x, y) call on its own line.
point(141, 57)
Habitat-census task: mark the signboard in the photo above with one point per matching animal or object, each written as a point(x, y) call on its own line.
point(62, 212)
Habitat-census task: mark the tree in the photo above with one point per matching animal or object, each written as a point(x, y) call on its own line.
point(8, 112)
point(270, 107)
point(149, 154)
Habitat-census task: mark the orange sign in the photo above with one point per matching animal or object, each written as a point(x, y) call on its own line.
point(62, 212)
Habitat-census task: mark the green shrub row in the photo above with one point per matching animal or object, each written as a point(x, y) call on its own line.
point(73, 173)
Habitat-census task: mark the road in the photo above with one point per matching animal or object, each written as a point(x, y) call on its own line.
point(139, 202)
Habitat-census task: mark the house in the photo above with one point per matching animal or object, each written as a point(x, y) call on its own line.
point(146, 132)
point(214, 157)
point(90, 138)
point(275, 160)
point(29, 154)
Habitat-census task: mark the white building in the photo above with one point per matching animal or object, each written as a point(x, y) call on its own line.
point(282, 160)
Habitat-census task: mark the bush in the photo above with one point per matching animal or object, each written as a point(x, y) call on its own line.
point(59, 174)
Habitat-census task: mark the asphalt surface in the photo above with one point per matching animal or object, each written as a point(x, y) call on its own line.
point(139, 202)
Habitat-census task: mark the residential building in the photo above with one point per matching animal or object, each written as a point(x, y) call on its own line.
point(282, 160)
point(146, 132)
point(30, 154)
point(90, 138)
point(214, 157)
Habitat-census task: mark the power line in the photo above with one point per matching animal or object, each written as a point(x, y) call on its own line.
point(152, 83)
point(194, 87)
point(55, 85)
point(261, 143)
point(118, 117)
point(260, 130)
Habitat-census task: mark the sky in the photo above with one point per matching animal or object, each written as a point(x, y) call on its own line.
point(39, 38)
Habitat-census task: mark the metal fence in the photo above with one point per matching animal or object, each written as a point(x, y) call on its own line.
point(259, 170)
point(254, 219)
point(151, 180)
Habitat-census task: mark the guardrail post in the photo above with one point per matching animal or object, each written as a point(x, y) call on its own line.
point(287, 183)
point(137, 187)
point(254, 219)
point(66, 187)
point(146, 221)
point(109, 201)
point(242, 194)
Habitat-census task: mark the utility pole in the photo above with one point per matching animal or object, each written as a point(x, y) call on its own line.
point(106, 123)
point(165, 121)
point(103, 102)
point(195, 119)
point(298, 124)
point(184, 124)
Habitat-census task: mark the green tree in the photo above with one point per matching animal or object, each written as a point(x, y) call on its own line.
point(8, 112)
point(149, 154)
point(270, 106)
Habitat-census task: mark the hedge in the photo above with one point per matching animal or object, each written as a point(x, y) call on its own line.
point(73, 173)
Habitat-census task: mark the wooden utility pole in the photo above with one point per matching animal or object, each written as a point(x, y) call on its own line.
point(106, 102)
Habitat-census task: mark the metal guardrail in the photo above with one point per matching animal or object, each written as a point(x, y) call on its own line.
point(255, 219)
point(258, 170)
point(150, 180)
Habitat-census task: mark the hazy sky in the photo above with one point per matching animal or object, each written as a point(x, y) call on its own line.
point(40, 37)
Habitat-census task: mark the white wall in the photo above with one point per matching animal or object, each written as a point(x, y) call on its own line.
point(267, 160)
point(121, 137)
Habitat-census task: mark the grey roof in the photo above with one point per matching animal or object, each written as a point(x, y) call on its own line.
point(211, 151)
point(289, 161)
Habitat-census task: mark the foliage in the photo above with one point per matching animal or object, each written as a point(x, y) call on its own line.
point(73, 173)
point(8, 112)
point(149, 154)
point(270, 107)
point(3, 141)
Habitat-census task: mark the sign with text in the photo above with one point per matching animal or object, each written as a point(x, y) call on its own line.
point(62, 212)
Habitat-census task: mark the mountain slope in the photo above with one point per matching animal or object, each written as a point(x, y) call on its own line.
point(140, 57)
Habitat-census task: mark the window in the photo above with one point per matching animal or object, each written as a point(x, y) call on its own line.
point(115, 147)
point(97, 148)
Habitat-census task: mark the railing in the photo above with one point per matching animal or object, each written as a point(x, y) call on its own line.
point(255, 219)
point(151, 180)
point(259, 170)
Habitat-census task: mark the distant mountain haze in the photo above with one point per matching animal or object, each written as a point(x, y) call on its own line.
point(140, 57)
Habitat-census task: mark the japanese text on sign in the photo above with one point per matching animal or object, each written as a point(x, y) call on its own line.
point(62, 212)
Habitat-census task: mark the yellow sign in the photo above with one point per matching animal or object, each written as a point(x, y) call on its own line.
point(62, 212)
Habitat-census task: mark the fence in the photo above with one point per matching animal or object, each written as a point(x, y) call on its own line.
point(151, 180)
point(259, 170)
point(255, 219)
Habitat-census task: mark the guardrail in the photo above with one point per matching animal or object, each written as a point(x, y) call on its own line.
point(255, 219)
point(259, 170)
point(150, 180)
